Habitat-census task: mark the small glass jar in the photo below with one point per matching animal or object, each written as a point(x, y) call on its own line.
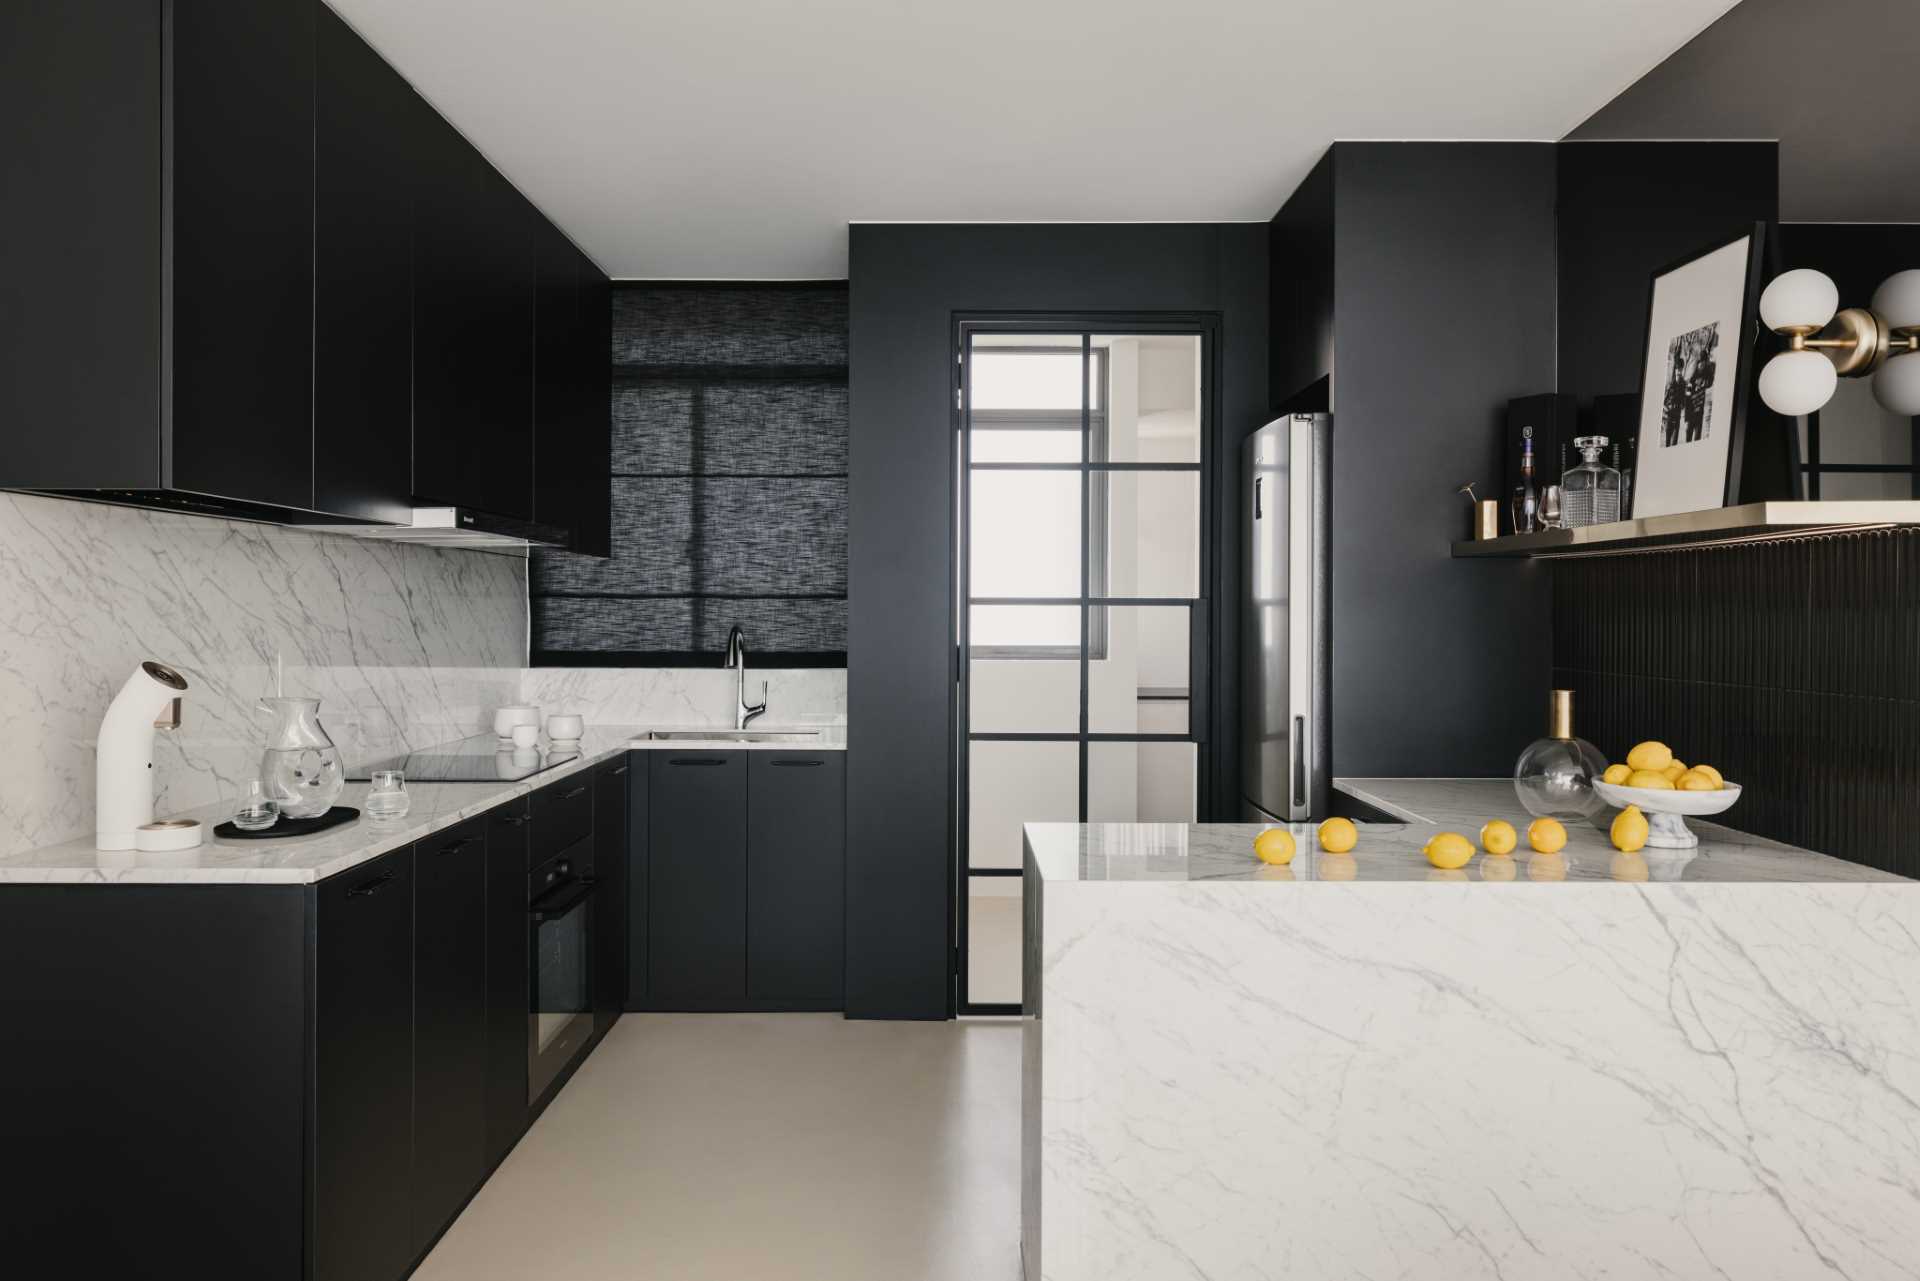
point(257, 811)
point(387, 796)
point(1554, 777)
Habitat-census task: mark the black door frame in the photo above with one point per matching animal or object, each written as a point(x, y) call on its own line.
point(1203, 609)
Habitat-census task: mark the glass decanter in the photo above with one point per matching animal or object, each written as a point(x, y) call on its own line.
point(1554, 777)
point(301, 766)
point(1590, 492)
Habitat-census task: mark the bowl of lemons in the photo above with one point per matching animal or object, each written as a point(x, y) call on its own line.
point(1667, 791)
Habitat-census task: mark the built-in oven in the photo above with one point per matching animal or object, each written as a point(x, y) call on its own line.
point(560, 953)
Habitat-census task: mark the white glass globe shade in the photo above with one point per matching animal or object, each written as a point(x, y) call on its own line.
point(1800, 297)
point(1897, 300)
point(1797, 382)
point(1897, 385)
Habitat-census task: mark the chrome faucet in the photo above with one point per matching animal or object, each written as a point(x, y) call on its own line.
point(737, 660)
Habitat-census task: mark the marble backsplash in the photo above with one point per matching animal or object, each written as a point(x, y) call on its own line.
point(404, 646)
point(686, 695)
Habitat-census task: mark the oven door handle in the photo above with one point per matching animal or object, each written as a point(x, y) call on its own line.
point(553, 906)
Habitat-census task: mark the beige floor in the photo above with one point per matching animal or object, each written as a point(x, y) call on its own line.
point(762, 1148)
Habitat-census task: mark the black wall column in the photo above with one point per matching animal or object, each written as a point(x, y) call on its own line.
point(907, 283)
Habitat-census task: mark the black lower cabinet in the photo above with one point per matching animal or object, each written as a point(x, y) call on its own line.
point(449, 1024)
point(610, 872)
point(796, 874)
point(697, 880)
point(363, 1071)
point(506, 977)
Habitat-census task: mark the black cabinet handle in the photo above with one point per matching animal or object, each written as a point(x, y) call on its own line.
point(696, 760)
point(798, 764)
point(578, 791)
point(371, 886)
point(460, 844)
point(618, 769)
point(557, 905)
point(511, 820)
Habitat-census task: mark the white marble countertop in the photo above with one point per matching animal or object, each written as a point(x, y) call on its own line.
point(303, 860)
point(1390, 852)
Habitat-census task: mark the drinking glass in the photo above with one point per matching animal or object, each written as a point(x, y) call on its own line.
point(1550, 508)
point(257, 810)
point(387, 794)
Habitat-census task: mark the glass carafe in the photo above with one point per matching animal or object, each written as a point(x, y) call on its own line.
point(1554, 777)
point(1590, 493)
point(301, 766)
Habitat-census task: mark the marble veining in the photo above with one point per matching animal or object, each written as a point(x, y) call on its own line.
point(404, 646)
point(1712, 1077)
point(688, 696)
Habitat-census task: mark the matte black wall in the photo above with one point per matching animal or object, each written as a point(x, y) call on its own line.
point(1834, 81)
point(907, 282)
point(1443, 311)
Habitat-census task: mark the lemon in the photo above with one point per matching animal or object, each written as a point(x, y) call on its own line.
point(1712, 773)
point(1449, 850)
point(1498, 837)
point(1629, 831)
point(1650, 778)
point(1650, 755)
point(1498, 867)
point(1275, 845)
point(1674, 770)
point(1546, 835)
point(1338, 835)
point(1616, 774)
point(1694, 781)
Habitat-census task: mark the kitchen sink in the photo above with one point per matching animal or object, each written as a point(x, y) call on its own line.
point(733, 735)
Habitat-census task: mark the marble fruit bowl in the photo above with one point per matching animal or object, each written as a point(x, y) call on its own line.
point(1666, 811)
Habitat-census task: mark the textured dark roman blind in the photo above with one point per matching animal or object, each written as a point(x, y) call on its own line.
point(729, 484)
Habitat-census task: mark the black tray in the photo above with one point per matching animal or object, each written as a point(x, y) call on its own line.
point(290, 826)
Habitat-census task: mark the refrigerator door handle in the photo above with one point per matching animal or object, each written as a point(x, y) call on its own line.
point(1299, 768)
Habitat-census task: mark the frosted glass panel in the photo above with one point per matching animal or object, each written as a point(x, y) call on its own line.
point(994, 945)
point(1153, 533)
point(1139, 684)
point(1024, 533)
point(1013, 783)
point(1141, 782)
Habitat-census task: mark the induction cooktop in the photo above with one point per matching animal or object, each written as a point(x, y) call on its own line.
point(476, 760)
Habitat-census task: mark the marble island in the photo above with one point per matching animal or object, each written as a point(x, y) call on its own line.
point(1580, 1065)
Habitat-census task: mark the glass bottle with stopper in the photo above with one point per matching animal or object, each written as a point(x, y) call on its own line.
point(1554, 777)
point(1590, 492)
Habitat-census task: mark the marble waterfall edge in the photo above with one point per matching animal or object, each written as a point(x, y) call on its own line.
point(404, 646)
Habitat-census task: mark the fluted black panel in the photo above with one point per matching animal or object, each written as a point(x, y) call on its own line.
point(1794, 667)
point(729, 488)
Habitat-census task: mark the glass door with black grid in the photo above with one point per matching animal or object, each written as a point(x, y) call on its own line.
point(1083, 455)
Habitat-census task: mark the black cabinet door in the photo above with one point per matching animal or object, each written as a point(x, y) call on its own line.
point(796, 878)
point(363, 1070)
point(473, 327)
point(638, 990)
point(450, 1024)
point(362, 280)
point(240, 311)
point(697, 879)
point(593, 527)
point(610, 870)
point(506, 977)
point(558, 442)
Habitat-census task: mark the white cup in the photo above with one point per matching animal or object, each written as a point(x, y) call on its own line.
point(565, 728)
point(505, 718)
point(526, 735)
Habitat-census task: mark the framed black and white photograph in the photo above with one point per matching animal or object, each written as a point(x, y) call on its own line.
point(1694, 382)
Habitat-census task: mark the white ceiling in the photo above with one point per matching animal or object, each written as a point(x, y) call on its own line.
point(716, 139)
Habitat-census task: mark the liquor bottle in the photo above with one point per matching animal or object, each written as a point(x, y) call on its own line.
point(1526, 498)
point(1592, 490)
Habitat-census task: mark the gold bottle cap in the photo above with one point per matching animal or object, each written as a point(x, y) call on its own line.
point(1560, 714)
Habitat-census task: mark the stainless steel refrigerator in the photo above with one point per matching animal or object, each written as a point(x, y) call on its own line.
point(1285, 639)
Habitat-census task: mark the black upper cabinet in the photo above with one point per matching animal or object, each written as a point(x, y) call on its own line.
point(573, 443)
point(473, 327)
point(363, 1071)
point(450, 1024)
point(1300, 295)
point(796, 874)
point(363, 280)
point(242, 308)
